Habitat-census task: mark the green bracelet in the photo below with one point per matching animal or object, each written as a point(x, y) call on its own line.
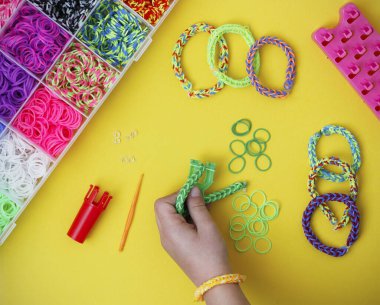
point(215, 36)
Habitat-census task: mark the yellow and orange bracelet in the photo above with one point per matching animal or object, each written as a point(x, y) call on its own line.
point(232, 278)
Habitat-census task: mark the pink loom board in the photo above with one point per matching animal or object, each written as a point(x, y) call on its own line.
point(354, 47)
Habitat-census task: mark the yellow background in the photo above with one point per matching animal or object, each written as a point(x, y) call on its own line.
point(40, 265)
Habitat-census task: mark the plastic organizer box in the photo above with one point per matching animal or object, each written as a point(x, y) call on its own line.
point(354, 47)
point(44, 104)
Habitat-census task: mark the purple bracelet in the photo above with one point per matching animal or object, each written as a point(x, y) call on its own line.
point(354, 216)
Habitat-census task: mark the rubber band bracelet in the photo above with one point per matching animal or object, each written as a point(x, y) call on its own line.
point(353, 213)
point(316, 171)
point(218, 280)
point(177, 60)
point(290, 70)
point(192, 181)
point(354, 146)
point(216, 36)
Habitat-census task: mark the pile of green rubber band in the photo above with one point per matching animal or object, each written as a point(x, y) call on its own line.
point(254, 147)
point(8, 210)
point(243, 230)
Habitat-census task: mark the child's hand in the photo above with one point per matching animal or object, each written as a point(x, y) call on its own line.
point(198, 248)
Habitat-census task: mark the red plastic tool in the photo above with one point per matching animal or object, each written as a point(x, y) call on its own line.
point(88, 214)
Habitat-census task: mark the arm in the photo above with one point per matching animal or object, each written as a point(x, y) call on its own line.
point(197, 248)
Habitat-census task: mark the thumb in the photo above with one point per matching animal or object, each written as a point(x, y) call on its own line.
point(197, 208)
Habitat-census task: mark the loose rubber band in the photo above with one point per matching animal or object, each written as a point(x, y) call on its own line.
point(258, 192)
point(150, 10)
point(290, 70)
point(354, 146)
point(8, 210)
point(177, 60)
point(249, 150)
point(237, 235)
point(81, 77)
point(263, 169)
point(260, 139)
point(233, 224)
point(245, 122)
point(21, 166)
point(353, 214)
point(272, 204)
point(238, 170)
point(216, 36)
point(7, 8)
point(263, 229)
point(68, 13)
point(247, 248)
point(48, 121)
point(234, 152)
point(114, 33)
point(33, 40)
point(254, 245)
point(242, 206)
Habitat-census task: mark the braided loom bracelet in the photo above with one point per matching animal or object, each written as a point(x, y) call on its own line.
point(354, 216)
point(290, 70)
point(196, 173)
point(150, 10)
point(177, 65)
point(216, 36)
point(113, 33)
point(354, 146)
point(348, 173)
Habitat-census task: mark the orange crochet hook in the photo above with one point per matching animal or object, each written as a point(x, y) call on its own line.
point(130, 215)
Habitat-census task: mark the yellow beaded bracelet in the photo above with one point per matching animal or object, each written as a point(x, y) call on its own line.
point(233, 278)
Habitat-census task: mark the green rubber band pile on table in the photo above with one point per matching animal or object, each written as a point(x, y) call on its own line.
point(8, 210)
point(243, 229)
point(260, 138)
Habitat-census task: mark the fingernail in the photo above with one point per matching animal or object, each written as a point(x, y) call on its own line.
point(195, 192)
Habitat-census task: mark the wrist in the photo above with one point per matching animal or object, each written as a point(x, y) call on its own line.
point(223, 285)
point(225, 294)
point(204, 275)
